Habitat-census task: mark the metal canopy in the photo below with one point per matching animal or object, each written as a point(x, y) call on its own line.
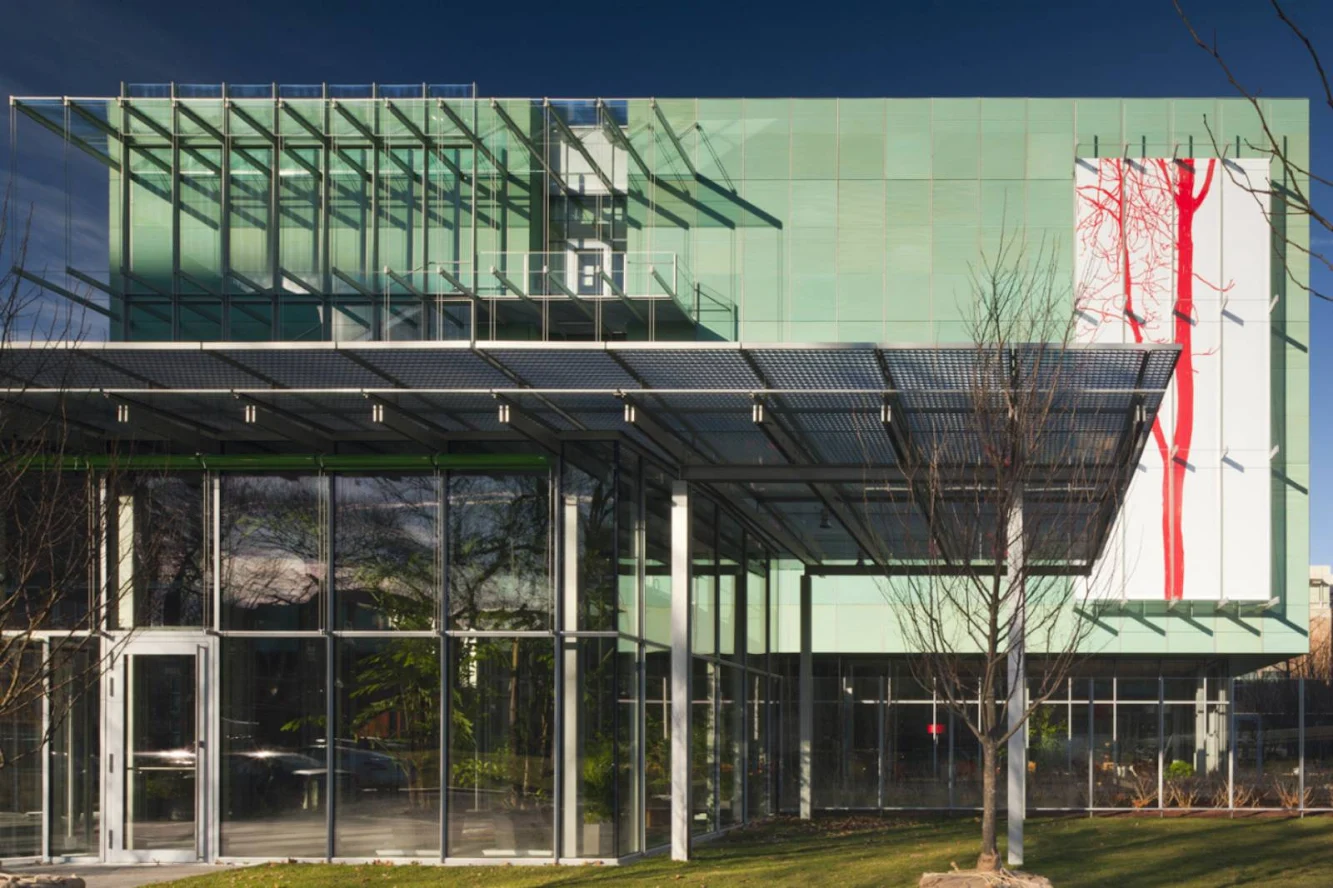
point(798, 437)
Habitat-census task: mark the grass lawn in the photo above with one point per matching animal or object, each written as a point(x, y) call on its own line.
point(1125, 852)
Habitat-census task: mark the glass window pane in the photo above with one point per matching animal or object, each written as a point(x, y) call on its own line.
point(591, 731)
point(759, 763)
point(1125, 768)
point(703, 749)
point(274, 766)
point(729, 567)
point(703, 586)
point(387, 772)
point(1057, 756)
point(46, 560)
point(657, 747)
point(501, 748)
point(21, 777)
point(1267, 743)
point(628, 806)
point(386, 551)
point(158, 564)
point(918, 758)
point(756, 604)
point(628, 535)
point(731, 747)
point(75, 753)
point(499, 551)
point(590, 496)
point(272, 570)
point(657, 581)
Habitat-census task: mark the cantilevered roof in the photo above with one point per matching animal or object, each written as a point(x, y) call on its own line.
point(798, 436)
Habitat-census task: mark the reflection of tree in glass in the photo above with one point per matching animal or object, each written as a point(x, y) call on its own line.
point(396, 701)
point(499, 572)
point(385, 552)
point(168, 550)
point(595, 494)
point(504, 693)
point(270, 552)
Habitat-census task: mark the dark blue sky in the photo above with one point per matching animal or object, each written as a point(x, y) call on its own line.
point(592, 48)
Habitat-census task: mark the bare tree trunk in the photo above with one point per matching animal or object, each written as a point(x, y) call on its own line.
point(989, 858)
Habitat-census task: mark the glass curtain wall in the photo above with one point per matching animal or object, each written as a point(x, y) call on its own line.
point(882, 740)
point(460, 664)
point(733, 686)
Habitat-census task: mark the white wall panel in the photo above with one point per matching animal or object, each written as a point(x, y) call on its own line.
point(1178, 251)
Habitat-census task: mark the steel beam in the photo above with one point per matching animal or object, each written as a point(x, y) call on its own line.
point(671, 134)
point(408, 424)
point(250, 121)
point(620, 294)
point(167, 423)
point(314, 131)
point(533, 150)
point(796, 452)
point(512, 416)
point(74, 140)
point(614, 133)
point(662, 438)
point(287, 424)
point(472, 137)
point(454, 281)
point(354, 283)
point(513, 287)
point(571, 295)
point(199, 121)
point(578, 145)
point(61, 291)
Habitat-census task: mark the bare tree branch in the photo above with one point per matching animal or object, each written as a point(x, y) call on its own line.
point(1284, 194)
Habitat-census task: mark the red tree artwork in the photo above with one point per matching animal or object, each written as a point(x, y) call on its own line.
point(1136, 234)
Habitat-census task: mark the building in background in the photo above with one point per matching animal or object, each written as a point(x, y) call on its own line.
point(480, 444)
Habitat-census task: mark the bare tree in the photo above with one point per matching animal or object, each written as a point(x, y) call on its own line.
point(52, 609)
point(1004, 501)
point(1286, 198)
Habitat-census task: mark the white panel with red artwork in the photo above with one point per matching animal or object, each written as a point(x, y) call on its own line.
point(1178, 250)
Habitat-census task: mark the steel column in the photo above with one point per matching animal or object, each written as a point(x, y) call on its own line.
point(681, 560)
point(1018, 745)
point(806, 703)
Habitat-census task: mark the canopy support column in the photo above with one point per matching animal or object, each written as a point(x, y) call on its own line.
point(806, 692)
point(1018, 741)
point(681, 559)
point(572, 824)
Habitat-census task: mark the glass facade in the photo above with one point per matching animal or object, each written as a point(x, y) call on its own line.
point(457, 664)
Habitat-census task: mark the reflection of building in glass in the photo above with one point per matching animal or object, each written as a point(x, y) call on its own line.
point(505, 479)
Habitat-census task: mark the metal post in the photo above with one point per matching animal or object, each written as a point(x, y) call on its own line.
point(806, 690)
point(1300, 735)
point(569, 801)
point(1161, 740)
point(681, 558)
point(881, 712)
point(1018, 756)
point(331, 787)
point(1231, 752)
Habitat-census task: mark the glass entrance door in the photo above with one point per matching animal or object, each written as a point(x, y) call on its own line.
point(159, 771)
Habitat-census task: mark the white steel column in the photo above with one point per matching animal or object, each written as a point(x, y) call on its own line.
point(1018, 741)
point(806, 690)
point(681, 559)
point(571, 823)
